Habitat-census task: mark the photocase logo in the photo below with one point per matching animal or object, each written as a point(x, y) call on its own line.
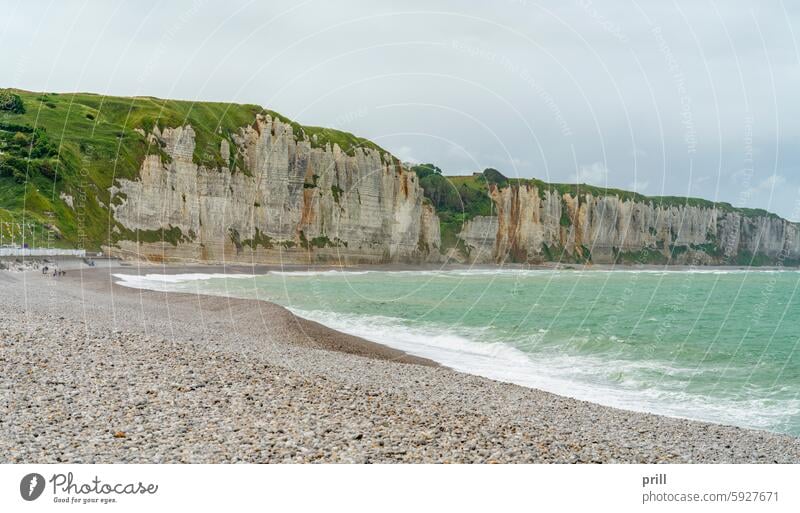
point(67, 489)
point(31, 486)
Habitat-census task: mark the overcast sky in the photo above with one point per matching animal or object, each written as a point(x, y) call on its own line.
point(697, 97)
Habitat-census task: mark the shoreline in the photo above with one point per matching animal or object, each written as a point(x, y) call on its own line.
point(466, 418)
point(431, 353)
point(75, 263)
point(318, 335)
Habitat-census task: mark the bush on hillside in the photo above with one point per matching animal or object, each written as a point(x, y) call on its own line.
point(424, 170)
point(11, 102)
point(13, 167)
point(42, 147)
point(441, 192)
point(46, 168)
point(22, 169)
point(496, 177)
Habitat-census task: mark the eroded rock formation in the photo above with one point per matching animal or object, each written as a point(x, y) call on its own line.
point(275, 199)
point(533, 226)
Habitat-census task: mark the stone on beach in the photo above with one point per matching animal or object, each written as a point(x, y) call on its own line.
point(141, 376)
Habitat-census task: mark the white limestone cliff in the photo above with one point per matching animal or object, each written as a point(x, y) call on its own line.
point(278, 200)
point(534, 226)
point(275, 197)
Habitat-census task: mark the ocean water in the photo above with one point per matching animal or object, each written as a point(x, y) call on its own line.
point(715, 345)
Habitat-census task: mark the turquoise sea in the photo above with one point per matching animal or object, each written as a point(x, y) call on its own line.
point(715, 345)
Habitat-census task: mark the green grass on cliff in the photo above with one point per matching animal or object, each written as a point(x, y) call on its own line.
point(79, 144)
point(479, 183)
point(321, 136)
point(458, 199)
point(580, 190)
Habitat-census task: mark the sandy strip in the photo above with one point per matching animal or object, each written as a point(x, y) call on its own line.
point(95, 372)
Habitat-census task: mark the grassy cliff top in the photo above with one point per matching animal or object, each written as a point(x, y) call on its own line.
point(57, 149)
point(452, 192)
point(460, 198)
point(78, 144)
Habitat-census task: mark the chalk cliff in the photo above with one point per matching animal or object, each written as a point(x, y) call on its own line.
point(277, 197)
point(174, 180)
point(534, 224)
point(277, 200)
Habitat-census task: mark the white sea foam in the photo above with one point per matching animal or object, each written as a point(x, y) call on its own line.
point(596, 378)
point(616, 383)
point(552, 273)
point(162, 282)
point(331, 272)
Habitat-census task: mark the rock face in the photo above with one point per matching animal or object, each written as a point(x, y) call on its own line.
point(278, 199)
point(534, 226)
point(275, 197)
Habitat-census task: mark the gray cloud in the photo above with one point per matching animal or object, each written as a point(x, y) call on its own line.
point(680, 98)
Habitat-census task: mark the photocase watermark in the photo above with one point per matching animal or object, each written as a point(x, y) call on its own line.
point(745, 175)
point(522, 74)
point(168, 40)
point(349, 117)
point(606, 24)
point(679, 79)
point(31, 486)
point(67, 489)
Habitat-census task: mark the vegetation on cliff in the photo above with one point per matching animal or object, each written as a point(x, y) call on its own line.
point(61, 153)
point(460, 193)
point(458, 199)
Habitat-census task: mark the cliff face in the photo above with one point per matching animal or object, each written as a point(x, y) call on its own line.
point(534, 225)
point(278, 199)
point(238, 183)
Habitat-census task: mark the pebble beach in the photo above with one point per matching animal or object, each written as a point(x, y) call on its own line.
point(92, 372)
